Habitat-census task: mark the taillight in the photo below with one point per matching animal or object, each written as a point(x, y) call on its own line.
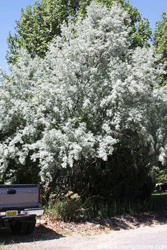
point(40, 194)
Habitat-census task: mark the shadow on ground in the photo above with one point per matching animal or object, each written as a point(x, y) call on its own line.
point(40, 233)
point(133, 220)
point(56, 230)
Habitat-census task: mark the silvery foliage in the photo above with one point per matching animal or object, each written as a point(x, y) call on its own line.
point(90, 93)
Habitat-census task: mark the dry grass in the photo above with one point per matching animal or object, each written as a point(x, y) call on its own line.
point(99, 225)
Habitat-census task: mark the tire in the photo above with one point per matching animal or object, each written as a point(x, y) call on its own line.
point(30, 227)
point(24, 227)
point(16, 228)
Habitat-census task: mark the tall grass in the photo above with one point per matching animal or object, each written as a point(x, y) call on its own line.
point(157, 202)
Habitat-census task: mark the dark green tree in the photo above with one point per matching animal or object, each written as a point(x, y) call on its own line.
point(42, 21)
point(37, 27)
point(160, 41)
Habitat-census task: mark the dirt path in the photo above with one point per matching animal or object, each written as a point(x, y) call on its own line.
point(92, 234)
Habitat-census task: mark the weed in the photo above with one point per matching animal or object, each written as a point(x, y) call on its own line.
point(66, 206)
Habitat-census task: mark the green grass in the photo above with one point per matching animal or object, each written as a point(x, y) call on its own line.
point(2, 245)
point(163, 193)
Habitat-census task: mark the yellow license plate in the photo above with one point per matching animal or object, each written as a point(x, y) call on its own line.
point(12, 213)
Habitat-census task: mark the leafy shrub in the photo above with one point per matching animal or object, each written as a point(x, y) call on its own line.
point(66, 207)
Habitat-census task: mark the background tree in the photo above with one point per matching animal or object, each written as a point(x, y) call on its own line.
point(160, 42)
point(160, 174)
point(40, 23)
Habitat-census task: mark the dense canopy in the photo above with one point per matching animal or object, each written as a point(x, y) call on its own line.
point(90, 94)
point(40, 23)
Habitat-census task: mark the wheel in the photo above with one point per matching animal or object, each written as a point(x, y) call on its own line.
point(30, 227)
point(16, 228)
point(24, 226)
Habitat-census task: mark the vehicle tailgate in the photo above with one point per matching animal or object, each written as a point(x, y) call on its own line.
point(19, 195)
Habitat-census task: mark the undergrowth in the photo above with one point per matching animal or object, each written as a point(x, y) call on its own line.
point(69, 206)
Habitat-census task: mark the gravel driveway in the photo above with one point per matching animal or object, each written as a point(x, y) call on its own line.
point(122, 239)
point(124, 232)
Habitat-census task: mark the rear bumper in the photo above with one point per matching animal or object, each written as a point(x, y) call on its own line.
point(32, 211)
point(25, 212)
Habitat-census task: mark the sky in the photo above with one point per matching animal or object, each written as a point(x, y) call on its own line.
point(10, 10)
